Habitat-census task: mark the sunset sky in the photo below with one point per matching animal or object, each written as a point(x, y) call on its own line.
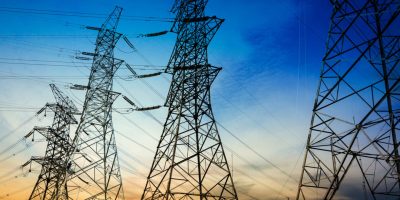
point(270, 52)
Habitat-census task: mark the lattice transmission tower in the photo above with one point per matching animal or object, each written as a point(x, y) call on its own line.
point(190, 162)
point(51, 181)
point(354, 131)
point(95, 172)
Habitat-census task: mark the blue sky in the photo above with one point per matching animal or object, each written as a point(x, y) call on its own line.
point(270, 52)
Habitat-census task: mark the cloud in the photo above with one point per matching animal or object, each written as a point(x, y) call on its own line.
point(267, 43)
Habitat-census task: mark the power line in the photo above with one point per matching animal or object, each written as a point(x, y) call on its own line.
point(60, 36)
point(53, 77)
point(289, 176)
point(237, 138)
point(41, 77)
point(255, 152)
point(46, 46)
point(132, 157)
point(80, 14)
point(250, 164)
point(12, 146)
point(132, 140)
point(33, 62)
point(141, 105)
point(47, 36)
point(250, 148)
point(152, 116)
point(10, 110)
point(231, 150)
point(9, 173)
point(159, 122)
point(14, 192)
point(38, 60)
point(254, 120)
point(28, 146)
point(37, 64)
point(17, 128)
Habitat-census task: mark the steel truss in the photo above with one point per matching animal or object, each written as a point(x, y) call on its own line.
point(55, 162)
point(95, 170)
point(353, 136)
point(190, 162)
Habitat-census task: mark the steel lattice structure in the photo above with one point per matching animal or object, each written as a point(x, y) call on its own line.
point(190, 162)
point(95, 170)
point(355, 122)
point(55, 162)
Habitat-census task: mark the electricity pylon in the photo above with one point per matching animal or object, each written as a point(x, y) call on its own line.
point(95, 172)
point(190, 162)
point(355, 122)
point(49, 184)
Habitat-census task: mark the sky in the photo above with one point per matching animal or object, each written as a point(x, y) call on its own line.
point(270, 52)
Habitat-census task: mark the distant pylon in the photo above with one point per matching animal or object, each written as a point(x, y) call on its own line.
point(51, 181)
point(190, 162)
point(95, 172)
point(356, 111)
